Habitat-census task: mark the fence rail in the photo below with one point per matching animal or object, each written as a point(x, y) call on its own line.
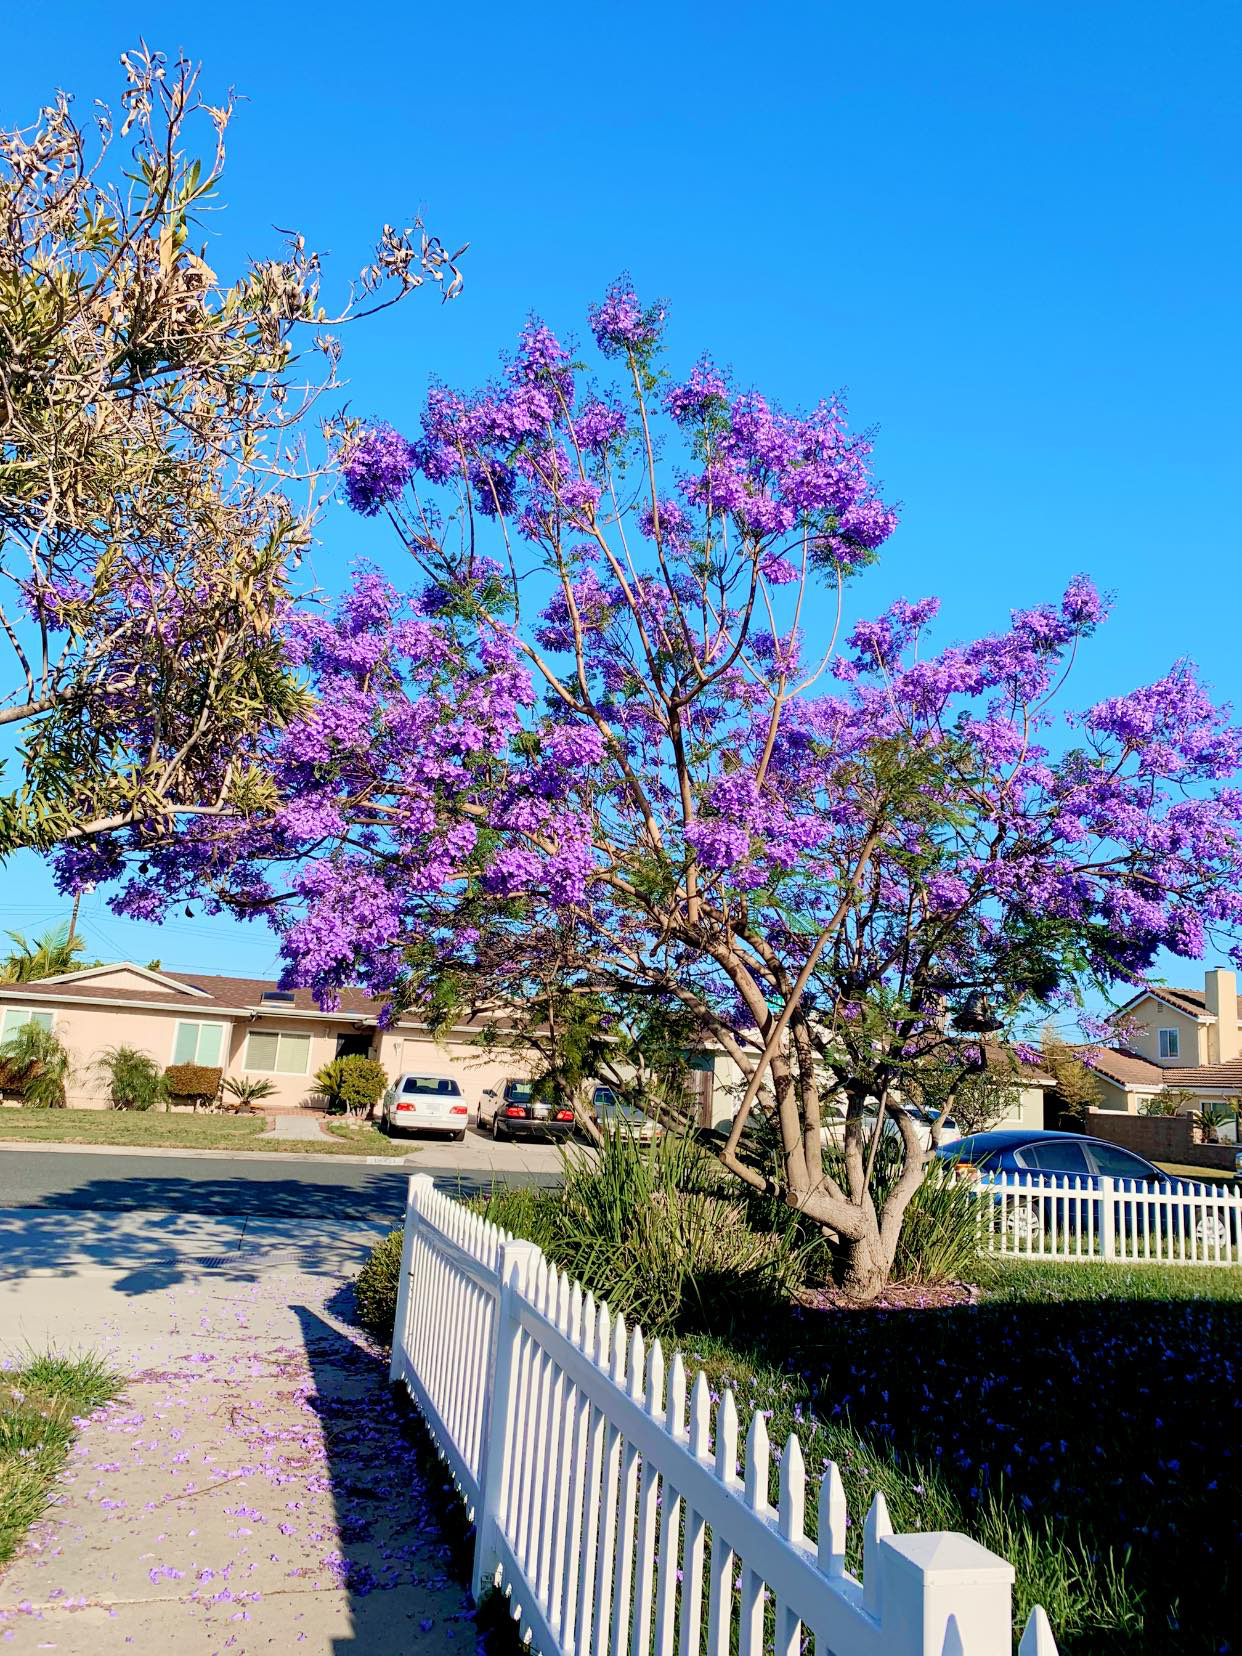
point(606, 1491)
point(1064, 1217)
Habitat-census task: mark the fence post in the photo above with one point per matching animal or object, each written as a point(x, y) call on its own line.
point(1108, 1219)
point(942, 1594)
point(516, 1267)
point(418, 1186)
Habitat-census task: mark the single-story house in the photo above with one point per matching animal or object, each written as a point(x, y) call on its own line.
point(250, 1027)
point(245, 1026)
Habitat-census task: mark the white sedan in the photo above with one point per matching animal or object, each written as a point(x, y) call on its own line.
point(833, 1129)
point(425, 1103)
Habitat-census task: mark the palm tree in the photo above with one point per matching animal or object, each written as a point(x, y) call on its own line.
point(135, 1081)
point(48, 956)
point(247, 1091)
point(35, 1065)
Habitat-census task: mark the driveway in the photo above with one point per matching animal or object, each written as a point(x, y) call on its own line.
point(255, 1489)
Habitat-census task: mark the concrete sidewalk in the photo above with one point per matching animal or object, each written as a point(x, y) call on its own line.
point(479, 1155)
point(253, 1490)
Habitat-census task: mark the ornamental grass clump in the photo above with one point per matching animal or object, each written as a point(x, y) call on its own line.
point(652, 1229)
point(42, 1400)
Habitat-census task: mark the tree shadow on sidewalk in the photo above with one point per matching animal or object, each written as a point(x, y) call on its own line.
point(404, 1552)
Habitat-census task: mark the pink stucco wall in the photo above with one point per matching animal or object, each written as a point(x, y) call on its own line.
point(87, 1030)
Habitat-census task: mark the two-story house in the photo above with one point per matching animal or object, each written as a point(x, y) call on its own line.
point(1185, 1040)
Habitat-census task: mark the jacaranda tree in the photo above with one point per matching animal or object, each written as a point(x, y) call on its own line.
point(155, 486)
point(619, 723)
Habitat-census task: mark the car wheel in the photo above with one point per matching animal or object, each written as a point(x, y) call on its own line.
point(1022, 1223)
point(460, 1137)
point(496, 1134)
point(1211, 1231)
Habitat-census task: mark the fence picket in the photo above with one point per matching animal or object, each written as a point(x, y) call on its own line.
point(758, 1458)
point(628, 1500)
point(582, 1321)
point(670, 1516)
point(832, 1522)
point(693, 1546)
point(875, 1529)
point(645, 1541)
point(791, 1513)
point(597, 1350)
point(720, 1594)
point(611, 1484)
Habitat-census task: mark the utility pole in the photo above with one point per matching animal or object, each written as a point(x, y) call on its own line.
point(73, 918)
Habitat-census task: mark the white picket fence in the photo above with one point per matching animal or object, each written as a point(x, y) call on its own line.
point(616, 1526)
point(1053, 1216)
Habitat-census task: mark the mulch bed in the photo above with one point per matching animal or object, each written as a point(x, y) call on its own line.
point(898, 1296)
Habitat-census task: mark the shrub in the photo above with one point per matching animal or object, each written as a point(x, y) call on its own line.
point(35, 1065)
point(375, 1290)
point(246, 1091)
point(134, 1079)
point(354, 1085)
point(193, 1083)
point(649, 1229)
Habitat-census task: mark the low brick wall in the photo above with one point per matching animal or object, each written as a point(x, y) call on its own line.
point(1159, 1138)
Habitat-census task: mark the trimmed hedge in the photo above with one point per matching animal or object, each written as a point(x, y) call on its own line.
point(193, 1081)
point(375, 1291)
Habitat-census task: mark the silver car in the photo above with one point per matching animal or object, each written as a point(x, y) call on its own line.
point(609, 1110)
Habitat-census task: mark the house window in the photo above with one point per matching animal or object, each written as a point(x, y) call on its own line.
point(198, 1043)
point(1168, 1043)
point(277, 1054)
point(16, 1017)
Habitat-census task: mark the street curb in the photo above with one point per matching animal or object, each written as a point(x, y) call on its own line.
point(20, 1145)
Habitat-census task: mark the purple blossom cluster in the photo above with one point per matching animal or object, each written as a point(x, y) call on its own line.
point(622, 324)
point(377, 470)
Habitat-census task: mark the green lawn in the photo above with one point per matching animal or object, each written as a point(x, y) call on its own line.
point(1198, 1175)
point(1081, 1420)
point(179, 1131)
point(39, 1400)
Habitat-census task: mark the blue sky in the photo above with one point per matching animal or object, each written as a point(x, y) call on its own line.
point(1010, 231)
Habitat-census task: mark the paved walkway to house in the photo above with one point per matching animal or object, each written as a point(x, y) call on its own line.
point(252, 1491)
point(293, 1127)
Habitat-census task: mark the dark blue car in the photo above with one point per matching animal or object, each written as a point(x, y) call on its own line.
point(1074, 1162)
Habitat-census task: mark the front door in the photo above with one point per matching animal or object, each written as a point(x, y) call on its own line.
point(354, 1046)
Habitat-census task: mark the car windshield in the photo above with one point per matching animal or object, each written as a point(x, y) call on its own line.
point(519, 1092)
point(431, 1084)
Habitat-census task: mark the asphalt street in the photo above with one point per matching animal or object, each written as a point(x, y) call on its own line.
point(307, 1189)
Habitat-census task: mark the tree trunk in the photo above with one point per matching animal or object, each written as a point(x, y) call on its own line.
point(863, 1270)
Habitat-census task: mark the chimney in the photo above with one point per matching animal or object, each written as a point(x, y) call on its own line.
point(1220, 991)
